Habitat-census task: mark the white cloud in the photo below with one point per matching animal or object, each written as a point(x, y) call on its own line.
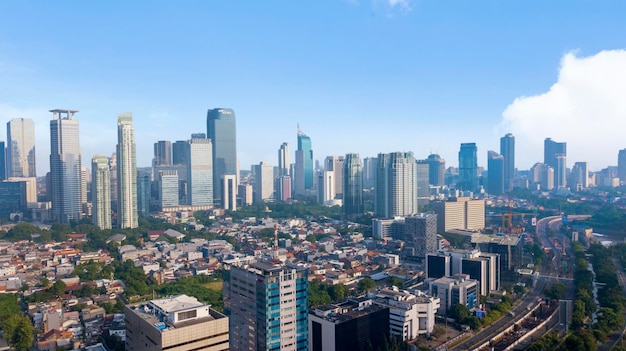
point(586, 108)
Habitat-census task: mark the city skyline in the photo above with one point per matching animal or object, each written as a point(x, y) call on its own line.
point(407, 63)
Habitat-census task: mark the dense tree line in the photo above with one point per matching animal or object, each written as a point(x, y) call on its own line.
point(16, 326)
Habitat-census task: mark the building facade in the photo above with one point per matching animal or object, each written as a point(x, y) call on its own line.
point(163, 153)
point(101, 192)
point(468, 167)
point(65, 166)
point(177, 323)
point(352, 192)
point(126, 173)
point(436, 170)
point(421, 229)
point(507, 150)
point(229, 197)
point(200, 172)
point(303, 177)
point(495, 173)
point(264, 183)
point(222, 131)
point(144, 184)
point(460, 213)
point(267, 303)
point(396, 185)
point(20, 153)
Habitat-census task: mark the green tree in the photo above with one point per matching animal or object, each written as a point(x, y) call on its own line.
point(337, 292)
point(459, 312)
point(367, 284)
point(395, 281)
point(19, 331)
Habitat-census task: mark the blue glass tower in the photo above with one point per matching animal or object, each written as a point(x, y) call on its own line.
point(222, 130)
point(304, 161)
point(468, 167)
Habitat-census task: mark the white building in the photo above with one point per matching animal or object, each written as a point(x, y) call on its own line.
point(409, 315)
point(127, 216)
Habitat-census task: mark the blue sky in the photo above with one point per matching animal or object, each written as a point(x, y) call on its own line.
point(363, 76)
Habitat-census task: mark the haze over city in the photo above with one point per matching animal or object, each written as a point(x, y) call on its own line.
point(358, 76)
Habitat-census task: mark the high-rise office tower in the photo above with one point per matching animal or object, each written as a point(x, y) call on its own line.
point(267, 304)
point(101, 191)
point(468, 167)
point(507, 150)
point(163, 153)
point(560, 172)
point(229, 197)
point(200, 172)
point(221, 129)
point(126, 173)
point(335, 164)
point(113, 174)
point(179, 150)
point(369, 172)
point(547, 177)
point(65, 166)
point(3, 174)
point(283, 160)
point(283, 188)
point(422, 230)
point(621, 165)
point(144, 184)
point(352, 186)
point(579, 176)
point(264, 182)
point(436, 170)
point(304, 164)
point(326, 187)
point(496, 164)
point(21, 148)
point(396, 185)
point(551, 151)
point(422, 169)
point(167, 184)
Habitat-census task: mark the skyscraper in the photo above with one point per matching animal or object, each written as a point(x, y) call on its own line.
point(229, 197)
point(436, 170)
point(507, 150)
point(495, 173)
point(621, 165)
point(126, 173)
point(162, 153)
point(468, 167)
point(421, 229)
point(221, 129)
point(283, 160)
point(352, 186)
point(179, 149)
point(264, 182)
point(396, 185)
point(167, 183)
point(580, 176)
point(144, 181)
point(21, 148)
point(335, 164)
point(551, 151)
point(65, 166)
point(304, 164)
point(3, 175)
point(369, 172)
point(422, 176)
point(200, 172)
point(326, 187)
point(101, 191)
point(267, 304)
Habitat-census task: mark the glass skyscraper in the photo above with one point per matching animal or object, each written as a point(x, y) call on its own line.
point(352, 186)
point(222, 130)
point(144, 177)
point(468, 167)
point(555, 156)
point(21, 148)
point(200, 172)
point(126, 173)
point(267, 305)
point(65, 166)
point(507, 150)
point(101, 192)
point(304, 164)
point(496, 164)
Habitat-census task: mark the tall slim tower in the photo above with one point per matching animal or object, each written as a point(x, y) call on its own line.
point(335, 164)
point(144, 183)
point(496, 164)
point(621, 165)
point(396, 185)
point(101, 191)
point(200, 172)
point(264, 182)
point(468, 167)
point(65, 166)
point(3, 174)
point(126, 173)
point(352, 186)
point(507, 150)
point(21, 148)
point(222, 130)
point(304, 164)
point(283, 160)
